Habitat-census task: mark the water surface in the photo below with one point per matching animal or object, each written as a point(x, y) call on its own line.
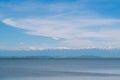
point(59, 69)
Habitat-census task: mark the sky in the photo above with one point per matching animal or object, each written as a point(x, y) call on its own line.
point(59, 24)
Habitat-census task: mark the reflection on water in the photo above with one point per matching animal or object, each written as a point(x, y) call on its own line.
point(38, 69)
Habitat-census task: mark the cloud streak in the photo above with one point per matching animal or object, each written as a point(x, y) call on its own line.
point(75, 30)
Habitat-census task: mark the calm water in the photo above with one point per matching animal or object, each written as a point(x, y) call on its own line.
point(38, 69)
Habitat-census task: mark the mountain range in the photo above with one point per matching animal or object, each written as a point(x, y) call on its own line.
point(63, 53)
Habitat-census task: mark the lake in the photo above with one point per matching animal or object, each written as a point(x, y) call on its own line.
point(59, 69)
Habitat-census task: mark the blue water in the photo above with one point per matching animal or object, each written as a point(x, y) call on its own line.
point(56, 69)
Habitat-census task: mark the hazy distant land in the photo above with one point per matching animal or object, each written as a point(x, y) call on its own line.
point(61, 54)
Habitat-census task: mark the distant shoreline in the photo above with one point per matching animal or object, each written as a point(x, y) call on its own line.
point(60, 58)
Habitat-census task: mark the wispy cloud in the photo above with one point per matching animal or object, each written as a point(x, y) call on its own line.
point(74, 31)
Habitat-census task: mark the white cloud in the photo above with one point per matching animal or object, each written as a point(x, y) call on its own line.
point(34, 48)
point(66, 28)
point(75, 31)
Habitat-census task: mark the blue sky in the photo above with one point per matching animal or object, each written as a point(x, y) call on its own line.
point(59, 24)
